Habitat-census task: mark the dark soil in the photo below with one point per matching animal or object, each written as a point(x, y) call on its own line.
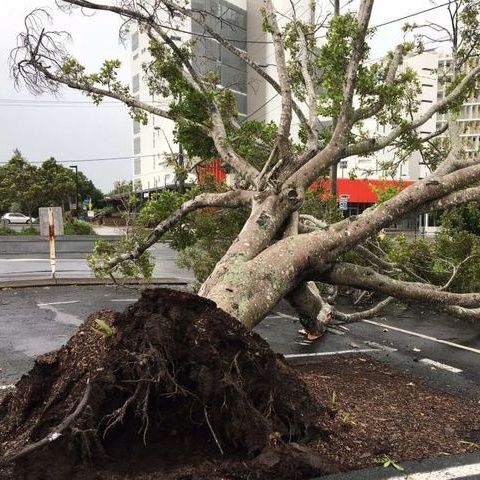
point(173, 381)
point(177, 375)
point(385, 412)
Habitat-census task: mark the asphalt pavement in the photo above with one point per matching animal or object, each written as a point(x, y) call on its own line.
point(15, 268)
point(443, 351)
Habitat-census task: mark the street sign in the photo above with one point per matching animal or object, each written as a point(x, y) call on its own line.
point(343, 202)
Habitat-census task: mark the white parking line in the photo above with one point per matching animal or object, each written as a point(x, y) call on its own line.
point(450, 473)
point(426, 337)
point(6, 387)
point(326, 354)
point(124, 299)
point(24, 260)
point(443, 366)
point(57, 303)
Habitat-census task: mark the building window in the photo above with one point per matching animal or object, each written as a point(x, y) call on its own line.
point(135, 83)
point(427, 85)
point(134, 41)
point(136, 145)
point(136, 127)
point(137, 168)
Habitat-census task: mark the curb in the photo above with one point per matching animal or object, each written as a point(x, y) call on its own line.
point(59, 282)
point(448, 467)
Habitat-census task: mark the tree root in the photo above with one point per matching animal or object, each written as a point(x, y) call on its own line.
point(54, 434)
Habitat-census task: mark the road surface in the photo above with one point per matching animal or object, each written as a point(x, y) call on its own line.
point(39, 268)
point(444, 352)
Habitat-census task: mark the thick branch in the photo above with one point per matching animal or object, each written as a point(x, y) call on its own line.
point(234, 199)
point(357, 316)
point(367, 112)
point(374, 144)
point(346, 117)
point(366, 278)
point(457, 198)
point(285, 89)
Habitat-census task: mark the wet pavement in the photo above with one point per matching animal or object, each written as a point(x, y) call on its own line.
point(14, 268)
point(37, 320)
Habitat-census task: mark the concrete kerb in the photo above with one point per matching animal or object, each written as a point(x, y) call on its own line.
point(58, 282)
point(445, 467)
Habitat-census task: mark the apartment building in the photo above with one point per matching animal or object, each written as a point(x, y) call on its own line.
point(469, 116)
point(152, 142)
point(411, 168)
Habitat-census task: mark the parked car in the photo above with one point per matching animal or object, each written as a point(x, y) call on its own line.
point(17, 218)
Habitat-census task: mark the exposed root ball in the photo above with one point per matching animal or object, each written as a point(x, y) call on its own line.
point(172, 370)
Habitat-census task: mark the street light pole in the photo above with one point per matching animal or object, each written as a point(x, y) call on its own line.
point(75, 167)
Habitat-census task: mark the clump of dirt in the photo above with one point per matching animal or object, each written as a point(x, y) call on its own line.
point(171, 377)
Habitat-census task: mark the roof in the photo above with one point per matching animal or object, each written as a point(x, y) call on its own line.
point(360, 190)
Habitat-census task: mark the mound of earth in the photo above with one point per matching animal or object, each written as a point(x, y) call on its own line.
point(172, 378)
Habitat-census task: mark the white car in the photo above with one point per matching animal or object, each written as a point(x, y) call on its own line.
point(17, 218)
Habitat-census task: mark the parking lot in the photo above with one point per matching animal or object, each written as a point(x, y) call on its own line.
point(443, 351)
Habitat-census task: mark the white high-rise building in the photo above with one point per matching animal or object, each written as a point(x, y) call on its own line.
point(153, 141)
point(469, 116)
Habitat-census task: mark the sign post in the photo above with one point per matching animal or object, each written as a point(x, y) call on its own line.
point(343, 202)
point(51, 241)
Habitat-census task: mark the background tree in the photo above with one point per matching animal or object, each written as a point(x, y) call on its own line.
point(28, 187)
point(121, 187)
point(278, 253)
point(58, 184)
point(20, 184)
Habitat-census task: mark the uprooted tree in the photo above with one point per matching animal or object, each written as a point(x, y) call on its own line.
point(279, 253)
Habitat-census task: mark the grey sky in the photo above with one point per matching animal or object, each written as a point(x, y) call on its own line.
point(82, 131)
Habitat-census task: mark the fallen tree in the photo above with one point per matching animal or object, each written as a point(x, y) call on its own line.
point(171, 377)
point(272, 257)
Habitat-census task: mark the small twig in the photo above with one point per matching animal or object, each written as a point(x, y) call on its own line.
point(54, 434)
point(212, 431)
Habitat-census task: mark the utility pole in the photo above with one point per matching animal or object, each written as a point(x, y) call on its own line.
point(334, 167)
point(75, 167)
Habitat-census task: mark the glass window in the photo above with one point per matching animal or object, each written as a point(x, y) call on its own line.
point(136, 145)
point(134, 41)
point(241, 102)
point(136, 127)
point(137, 166)
point(234, 79)
point(135, 83)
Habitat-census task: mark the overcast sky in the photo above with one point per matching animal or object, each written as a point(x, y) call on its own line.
point(79, 131)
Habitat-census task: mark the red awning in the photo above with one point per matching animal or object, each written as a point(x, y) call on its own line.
point(359, 190)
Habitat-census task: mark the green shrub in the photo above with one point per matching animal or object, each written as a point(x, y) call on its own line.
point(29, 231)
point(103, 251)
point(77, 227)
point(7, 231)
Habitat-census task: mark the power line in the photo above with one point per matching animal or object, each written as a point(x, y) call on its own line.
point(11, 102)
point(104, 159)
point(389, 22)
point(269, 42)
